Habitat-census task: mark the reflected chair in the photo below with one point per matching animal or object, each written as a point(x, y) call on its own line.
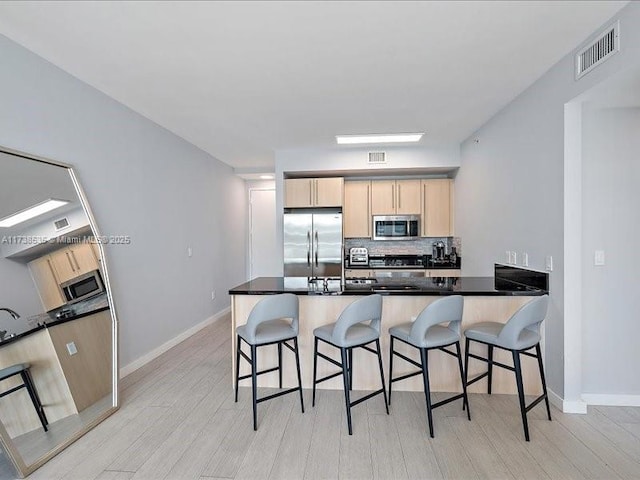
point(427, 333)
point(348, 332)
point(519, 334)
point(22, 369)
point(273, 321)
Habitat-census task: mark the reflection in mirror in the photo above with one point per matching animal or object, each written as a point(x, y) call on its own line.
point(57, 342)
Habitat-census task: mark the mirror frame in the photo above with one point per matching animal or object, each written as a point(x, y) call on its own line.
point(21, 467)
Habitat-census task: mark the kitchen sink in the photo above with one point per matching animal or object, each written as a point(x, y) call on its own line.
point(394, 288)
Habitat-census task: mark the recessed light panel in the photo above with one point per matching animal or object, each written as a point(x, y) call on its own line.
point(378, 138)
point(32, 212)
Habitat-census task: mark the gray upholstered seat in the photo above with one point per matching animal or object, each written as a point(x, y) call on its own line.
point(357, 326)
point(428, 332)
point(519, 334)
point(13, 370)
point(273, 320)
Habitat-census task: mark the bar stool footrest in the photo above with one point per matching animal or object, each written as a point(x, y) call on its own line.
point(277, 394)
point(535, 402)
point(447, 400)
point(366, 397)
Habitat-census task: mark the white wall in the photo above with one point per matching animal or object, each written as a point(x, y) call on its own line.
point(142, 181)
point(610, 179)
point(509, 190)
point(17, 292)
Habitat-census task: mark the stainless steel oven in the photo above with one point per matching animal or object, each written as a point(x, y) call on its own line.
point(82, 287)
point(396, 227)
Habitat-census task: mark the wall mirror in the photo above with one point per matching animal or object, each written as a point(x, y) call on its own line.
point(58, 329)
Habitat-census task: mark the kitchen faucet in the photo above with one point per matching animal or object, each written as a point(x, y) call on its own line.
point(11, 312)
point(3, 333)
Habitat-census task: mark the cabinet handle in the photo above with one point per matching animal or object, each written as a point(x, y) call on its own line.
point(368, 213)
point(424, 211)
point(399, 196)
point(53, 272)
point(73, 268)
point(393, 196)
point(73, 255)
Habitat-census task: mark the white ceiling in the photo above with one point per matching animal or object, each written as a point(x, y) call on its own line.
point(243, 79)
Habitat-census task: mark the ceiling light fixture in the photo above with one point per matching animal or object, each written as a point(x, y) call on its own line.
point(378, 138)
point(266, 177)
point(32, 212)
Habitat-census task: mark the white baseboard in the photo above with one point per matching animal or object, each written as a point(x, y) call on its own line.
point(156, 352)
point(611, 400)
point(566, 406)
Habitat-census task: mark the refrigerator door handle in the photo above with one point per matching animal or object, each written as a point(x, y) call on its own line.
point(316, 249)
point(308, 248)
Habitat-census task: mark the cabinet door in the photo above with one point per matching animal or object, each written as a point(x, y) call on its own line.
point(64, 265)
point(356, 212)
point(437, 208)
point(328, 192)
point(408, 197)
point(383, 197)
point(44, 277)
point(84, 259)
point(443, 272)
point(298, 192)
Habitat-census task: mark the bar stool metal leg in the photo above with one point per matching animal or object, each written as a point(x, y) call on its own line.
point(466, 367)
point(544, 383)
point(390, 366)
point(350, 358)
point(345, 378)
point(35, 399)
point(295, 346)
point(384, 392)
point(237, 364)
point(280, 365)
point(465, 399)
point(254, 385)
point(490, 370)
point(427, 389)
point(523, 408)
point(315, 370)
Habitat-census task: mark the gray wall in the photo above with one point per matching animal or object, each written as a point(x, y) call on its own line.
point(611, 175)
point(17, 292)
point(509, 190)
point(141, 181)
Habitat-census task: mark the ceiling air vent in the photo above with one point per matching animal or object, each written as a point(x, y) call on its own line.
point(603, 47)
point(377, 157)
point(62, 223)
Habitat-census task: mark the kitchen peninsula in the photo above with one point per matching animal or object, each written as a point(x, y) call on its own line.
point(486, 299)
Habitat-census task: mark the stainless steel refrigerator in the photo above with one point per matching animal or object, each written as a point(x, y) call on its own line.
point(313, 244)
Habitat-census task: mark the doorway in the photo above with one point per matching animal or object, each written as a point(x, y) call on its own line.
point(263, 250)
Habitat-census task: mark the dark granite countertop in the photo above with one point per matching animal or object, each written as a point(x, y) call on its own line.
point(480, 286)
point(92, 305)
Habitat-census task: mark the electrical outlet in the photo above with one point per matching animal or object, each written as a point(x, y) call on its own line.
point(549, 263)
point(189, 252)
point(525, 259)
point(213, 294)
point(598, 257)
point(71, 348)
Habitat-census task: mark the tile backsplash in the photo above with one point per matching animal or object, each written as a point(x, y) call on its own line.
point(422, 246)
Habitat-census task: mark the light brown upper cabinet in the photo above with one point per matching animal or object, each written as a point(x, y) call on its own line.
point(437, 207)
point(395, 197)
point(46, 283)
point(357, 209)
point(71, 262)
point(313, 192)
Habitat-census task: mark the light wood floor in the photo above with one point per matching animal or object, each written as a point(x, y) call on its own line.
point(178, 420)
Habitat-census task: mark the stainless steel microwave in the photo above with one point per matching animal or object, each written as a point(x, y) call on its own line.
point(83, 287)
point(396, 227)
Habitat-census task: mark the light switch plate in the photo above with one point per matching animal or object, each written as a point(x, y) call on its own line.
point(598, 257)
point(71, 348)
point(525, 259)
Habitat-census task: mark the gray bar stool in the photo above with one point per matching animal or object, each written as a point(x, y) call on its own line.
point(22, 369)
point(519, 334)
point(425, 334)
point(347, 333)
point(268, 324)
